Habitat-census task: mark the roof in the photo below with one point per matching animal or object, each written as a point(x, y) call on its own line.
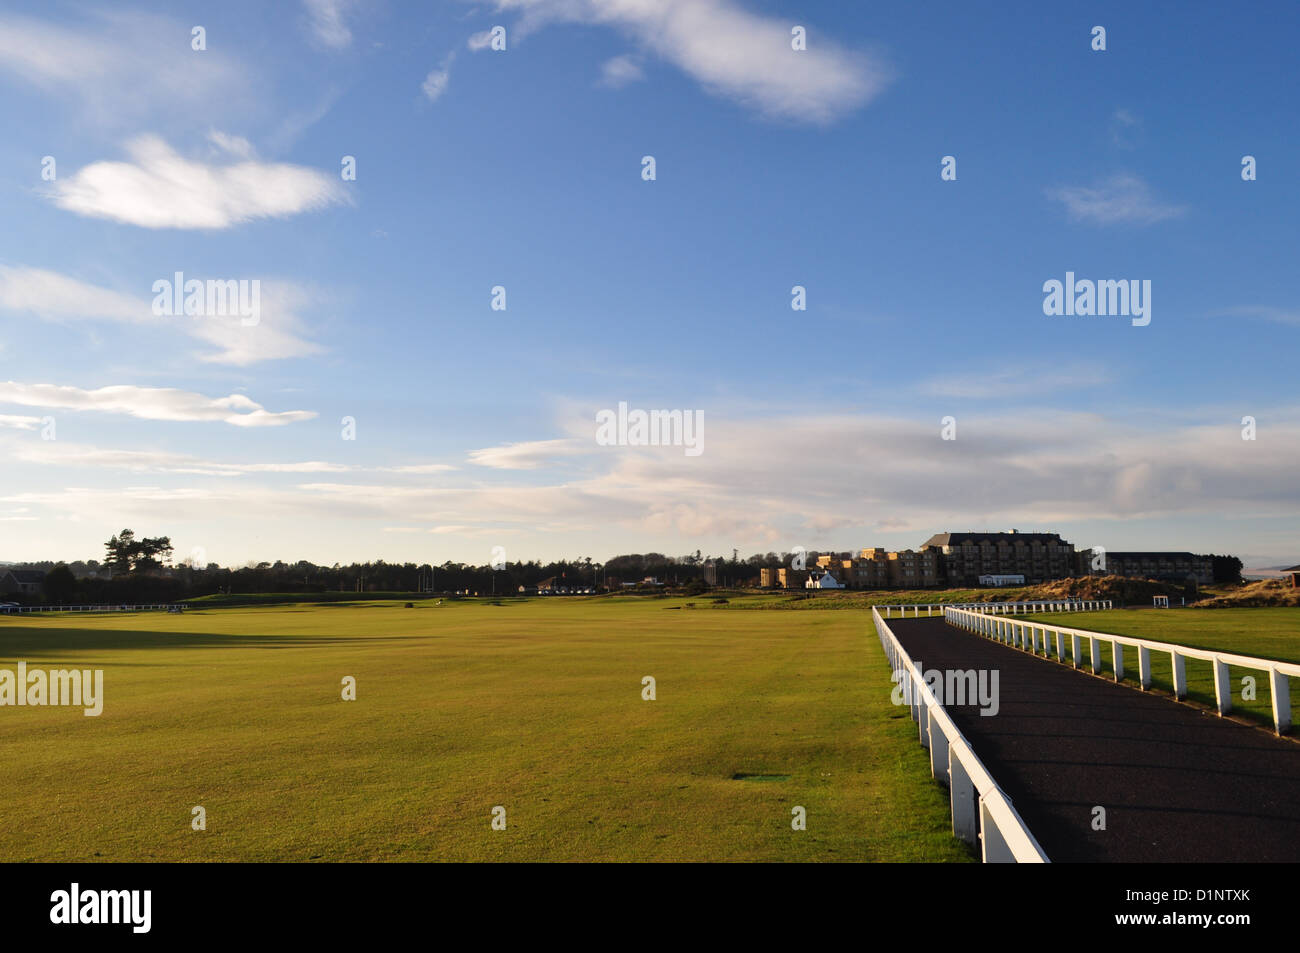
point(957, 539)
point(28, 575)
point(1110, 554)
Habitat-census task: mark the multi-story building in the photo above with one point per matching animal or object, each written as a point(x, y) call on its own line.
point(1167, 567)
point(1037, 556)
point(959, 560)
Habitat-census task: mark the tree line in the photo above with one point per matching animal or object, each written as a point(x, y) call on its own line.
point(136, 569)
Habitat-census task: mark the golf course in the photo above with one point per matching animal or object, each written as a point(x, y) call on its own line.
point(463, 706)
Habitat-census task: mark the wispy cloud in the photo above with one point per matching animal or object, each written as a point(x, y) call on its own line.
point(54, 296)
point(751, 487)
point(732, 52)
point(279, 333)
point(479, 41)
point(1125, 128)
point(526, 456)
point(1276, 315)
point(1120, 200)
point(122, 65)
point(19, 423)
point(150, 403)
point(327, 20)
point(1016, 381)
point(619, 71)
point(435, 84)
point(158, 188)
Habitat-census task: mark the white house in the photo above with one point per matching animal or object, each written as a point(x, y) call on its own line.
point(821, 581)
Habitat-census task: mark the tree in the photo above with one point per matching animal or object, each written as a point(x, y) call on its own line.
point(120, 549)
point(128, 554)
point(59, 584)
point(1226, 568)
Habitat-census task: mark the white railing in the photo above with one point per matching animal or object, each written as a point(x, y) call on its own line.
point(1036, 636)
point(117, 608)
point(1001, 608)
point(980, 810)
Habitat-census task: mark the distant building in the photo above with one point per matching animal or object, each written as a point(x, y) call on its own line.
point(24, 581)
point(821, 580)
point(1166, 567)
point(1037, 556)
point(961, 560)
point(1008, 579)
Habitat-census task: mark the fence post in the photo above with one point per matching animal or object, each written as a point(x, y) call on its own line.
point(994, 849)
point(1144, 667)
point(1094, 648)
point(1117, 656)
point(1179, 664)
point(1222, 689)
point(1060, 646)
point(961, 792)
point(938, 752)
point(1279, 686)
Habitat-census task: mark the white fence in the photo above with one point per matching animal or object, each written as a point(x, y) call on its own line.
point(980, 810)
point(1002, 608)
point(7, 610)
point(1039, 637)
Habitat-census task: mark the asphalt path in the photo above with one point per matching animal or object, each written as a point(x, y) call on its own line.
point(1177, 784)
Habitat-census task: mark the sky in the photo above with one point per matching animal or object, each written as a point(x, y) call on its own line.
point(445, 215)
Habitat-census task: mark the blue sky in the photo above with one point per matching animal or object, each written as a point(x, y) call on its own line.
point(521, 168)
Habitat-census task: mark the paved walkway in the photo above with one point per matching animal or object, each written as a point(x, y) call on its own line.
point(1177, 784)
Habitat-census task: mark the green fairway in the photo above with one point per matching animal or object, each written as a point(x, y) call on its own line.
point(533, 705)
point(1268, 633)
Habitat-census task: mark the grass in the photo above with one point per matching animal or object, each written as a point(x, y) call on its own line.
point(534, 705)
point(1268, 633)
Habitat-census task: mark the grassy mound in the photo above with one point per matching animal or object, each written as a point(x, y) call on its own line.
point(1266, 592)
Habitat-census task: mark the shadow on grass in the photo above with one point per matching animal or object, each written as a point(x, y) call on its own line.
point(29, 644)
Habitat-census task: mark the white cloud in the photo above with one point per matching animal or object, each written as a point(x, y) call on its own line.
point(328, 22)
point(751, 488)
point(123, 66)
point(277, 335)
point(421, 468)
point(19, 423)
point(1121, 199)
point(149, 403)
point(619, 71)
point(435, 84)
point(479, 41)
point(53, 296)
point(159, 188)
point(236, 146)
point(63, 453)
point(743, 56)
point(525, 456)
